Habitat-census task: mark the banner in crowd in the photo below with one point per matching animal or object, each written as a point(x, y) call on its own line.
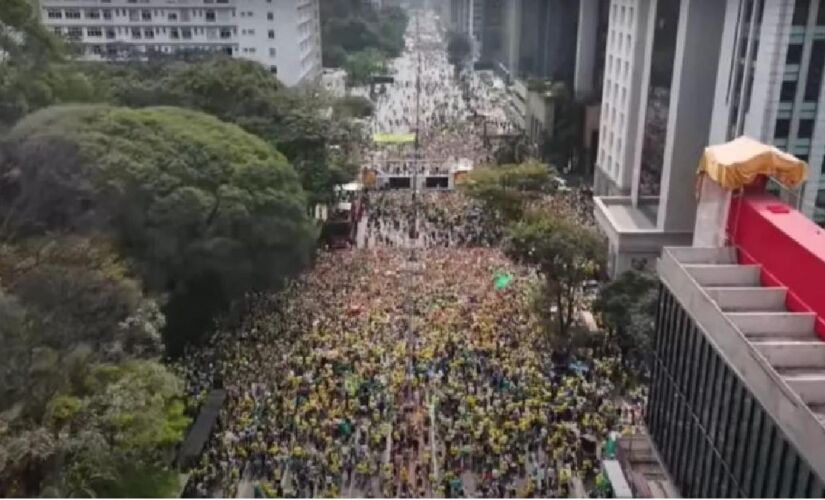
point(393, 138)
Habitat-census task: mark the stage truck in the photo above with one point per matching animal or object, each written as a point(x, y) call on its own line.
point(339, 219)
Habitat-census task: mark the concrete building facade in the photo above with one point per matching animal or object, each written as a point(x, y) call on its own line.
point(770, 83)
point(282, 35)
point(657, 103)
point(737, 397)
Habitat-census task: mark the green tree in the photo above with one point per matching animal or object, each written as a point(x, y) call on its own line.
point(353, 107)
point(72, 297)
point(33, 71)
point(507, 189)
point(108, 433)
point(627, 306)
point(206, 210)
point(352, 26)
point(459, 49)
point(361, 66)
point(236, 91)
point(566, 255)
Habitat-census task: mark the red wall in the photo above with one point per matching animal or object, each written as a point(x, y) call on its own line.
point(788, 245)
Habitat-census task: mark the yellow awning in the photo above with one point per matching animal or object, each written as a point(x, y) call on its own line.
point(738, 163)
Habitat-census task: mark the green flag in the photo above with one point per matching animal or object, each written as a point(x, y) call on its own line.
point(502, 279)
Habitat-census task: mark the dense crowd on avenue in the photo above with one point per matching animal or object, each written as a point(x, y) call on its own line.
point(371, 376)
point(444, 219)
point(378, 375)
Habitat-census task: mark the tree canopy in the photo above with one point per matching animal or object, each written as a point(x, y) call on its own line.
point(352, 26)
point(240, 92)
point(362, 65)
point(459, 48)
point(627, 306)
point(207, 210)
point(508, 188)
point(564, 253)
point(33, 72)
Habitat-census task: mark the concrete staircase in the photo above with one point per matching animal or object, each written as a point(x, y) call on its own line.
point(644, 469)
point(785, 339)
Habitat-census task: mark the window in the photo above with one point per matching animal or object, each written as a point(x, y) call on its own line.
point(271, 34)
point(226, 33)
point(55, 14)
point(186, 33)
point(794, 54)
point(136, 34)
point(172, 16)
point(146, 15)
point(72, 14)
point(107, 14)
point(210, 15)
point(814, 79)
point(74, 33)
point(149, 34)
point(57, 30)
point(92, 14)
point(110, 33)
point(820, 16)
point(806, 129)
point(803, 157)
point(788, 92)
point(800, 12)
point(174, 34)
point(134, 15)
point(270, 16)
point(95, 32)
point(272, 52)
point(273, 69)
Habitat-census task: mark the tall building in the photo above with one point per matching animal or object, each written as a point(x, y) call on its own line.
point(737, 397)
point(770, 83)
point(657, 102)
point(591, 45)
point(283, 35)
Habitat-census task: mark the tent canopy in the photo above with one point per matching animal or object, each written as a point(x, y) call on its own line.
point(738, 163)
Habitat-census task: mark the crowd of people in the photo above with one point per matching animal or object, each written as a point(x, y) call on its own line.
point(374, 374)
point(442, 219)
point(371, 376)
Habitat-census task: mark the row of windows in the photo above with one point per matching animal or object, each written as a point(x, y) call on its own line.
point(135, 14)
point(254, 50)
point(119, 50)
point(76, 32)
point(713, 435)
point(804, 131)
point(801, 13)
point(813, 82)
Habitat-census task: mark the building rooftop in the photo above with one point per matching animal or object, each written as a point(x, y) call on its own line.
point(773, 348)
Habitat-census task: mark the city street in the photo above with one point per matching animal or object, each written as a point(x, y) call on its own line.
point(397, 368)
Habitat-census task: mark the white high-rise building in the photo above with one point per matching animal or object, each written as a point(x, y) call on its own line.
point(657, 101)
point(770, 83)
point(282, 35)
